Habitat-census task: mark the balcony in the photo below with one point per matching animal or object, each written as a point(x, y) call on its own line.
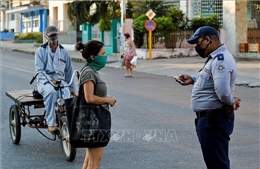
point(31, 2)
point(16, 4)
point(19, 3)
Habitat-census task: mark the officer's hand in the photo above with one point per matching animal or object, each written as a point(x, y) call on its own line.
point(186, 80)
point(236, 105)
point(73, 94)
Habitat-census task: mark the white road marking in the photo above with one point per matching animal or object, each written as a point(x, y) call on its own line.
point(18, 69)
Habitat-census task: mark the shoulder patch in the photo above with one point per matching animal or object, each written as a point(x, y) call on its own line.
point(221, 67)
point(220, 57)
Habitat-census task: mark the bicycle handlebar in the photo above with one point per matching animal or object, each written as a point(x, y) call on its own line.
point(56, 86)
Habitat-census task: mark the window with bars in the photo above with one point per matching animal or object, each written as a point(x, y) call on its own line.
point(12, 17)
point(209, 7)
point(254, 14)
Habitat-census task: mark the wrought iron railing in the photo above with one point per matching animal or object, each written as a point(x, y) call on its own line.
point(171, 40)
point(64, 25)
point(253, 35)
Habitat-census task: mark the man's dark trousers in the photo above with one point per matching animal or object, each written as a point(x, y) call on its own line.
point(214, 140)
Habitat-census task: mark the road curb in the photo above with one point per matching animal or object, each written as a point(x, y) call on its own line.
point(23, 51)
point(249, 84)
point(79, 60)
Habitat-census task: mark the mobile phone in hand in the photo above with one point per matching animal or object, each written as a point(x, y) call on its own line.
point(178, 80)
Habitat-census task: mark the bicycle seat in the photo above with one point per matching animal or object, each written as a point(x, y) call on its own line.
point(36, 94)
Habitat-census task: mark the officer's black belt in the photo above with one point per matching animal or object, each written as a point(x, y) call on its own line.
point(201, 113)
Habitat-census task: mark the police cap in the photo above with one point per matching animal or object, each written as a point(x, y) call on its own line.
point(202, 31)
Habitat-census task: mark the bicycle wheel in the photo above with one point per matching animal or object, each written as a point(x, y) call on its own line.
point(68, 151)
point(15, 124)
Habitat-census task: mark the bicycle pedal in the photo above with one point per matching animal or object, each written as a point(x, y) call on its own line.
point(63, 138)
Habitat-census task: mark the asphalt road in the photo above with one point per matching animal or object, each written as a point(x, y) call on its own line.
point(152, 124)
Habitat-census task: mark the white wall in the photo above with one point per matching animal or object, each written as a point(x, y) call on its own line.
point(235, 24)
point(62, 11)
point(12, 25)
point(2, 22)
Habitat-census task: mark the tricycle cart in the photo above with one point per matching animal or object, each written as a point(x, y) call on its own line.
point(20, 115)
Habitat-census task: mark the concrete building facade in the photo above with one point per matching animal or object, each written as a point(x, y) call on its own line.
point(234, 15)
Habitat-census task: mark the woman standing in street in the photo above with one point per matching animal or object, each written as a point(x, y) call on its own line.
point(129, 53)
point(95, 90)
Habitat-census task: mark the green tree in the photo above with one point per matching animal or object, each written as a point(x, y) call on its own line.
point(129, 9)
point(159, 7)
point(175, 20)
point(180, 22)
point(113, 12)
point(101, 12)
point(179, 19)
point(139, 22)
point(212, 20)
point(139, 30)
point(79, 12)
point(165, 27)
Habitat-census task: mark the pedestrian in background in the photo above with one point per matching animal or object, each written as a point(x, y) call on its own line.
point(54, 60)
point(212, 97)
point(129, 53)
point(94, 89)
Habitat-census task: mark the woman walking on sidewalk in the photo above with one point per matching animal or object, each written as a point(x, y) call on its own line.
point(129, 53)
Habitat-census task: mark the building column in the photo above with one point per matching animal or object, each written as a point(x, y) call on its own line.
point(101, 36)
point(235, 24)
point(184, 6)
point(21, 23)
point(6, 21)
point(40, 21)
point(190, 9)
point(45, 19)
point(2, 20)
point(17, 26)
point(114, 35)
point(86, 32)
point(32, 16)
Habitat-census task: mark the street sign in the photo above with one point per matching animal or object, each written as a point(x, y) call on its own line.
point(150, 14)
point(150, 25)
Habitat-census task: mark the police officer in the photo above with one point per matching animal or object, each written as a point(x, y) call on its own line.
point(53, 59)
point(212, 97)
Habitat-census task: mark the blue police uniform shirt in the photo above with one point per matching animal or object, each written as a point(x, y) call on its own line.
point(215, 84)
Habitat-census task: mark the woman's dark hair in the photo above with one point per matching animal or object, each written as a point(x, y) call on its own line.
point(90, 48)
point(127, 35)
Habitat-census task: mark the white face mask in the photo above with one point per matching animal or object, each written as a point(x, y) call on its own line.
point(53, 40)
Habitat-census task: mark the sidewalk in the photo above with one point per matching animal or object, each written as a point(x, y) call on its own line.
point(248, 70)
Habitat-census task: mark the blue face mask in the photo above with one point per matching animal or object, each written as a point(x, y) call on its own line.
point(99, 62)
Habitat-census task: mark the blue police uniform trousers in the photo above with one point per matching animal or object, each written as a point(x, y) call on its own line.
point(215, 139)
point(50, 96)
